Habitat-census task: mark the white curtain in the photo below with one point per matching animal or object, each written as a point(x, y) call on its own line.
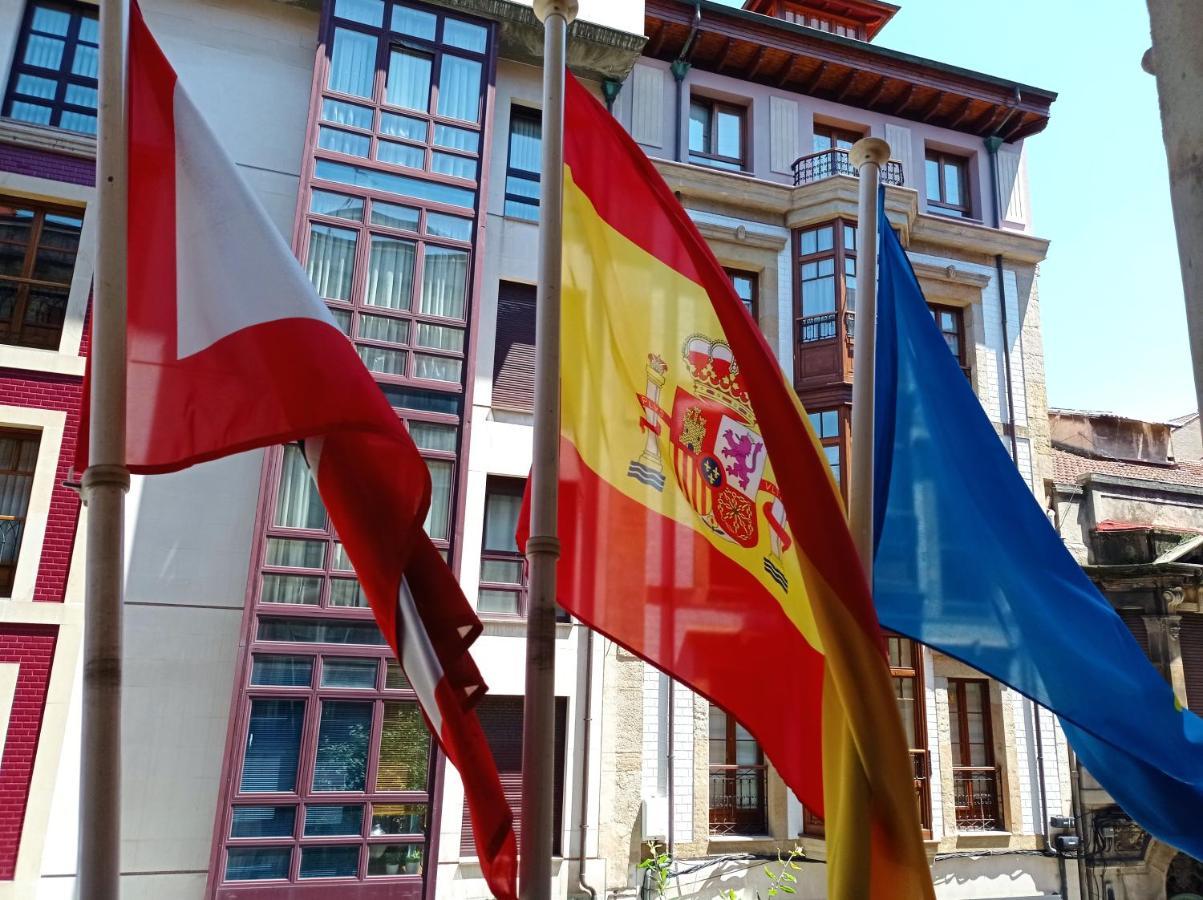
point(409, 80)
point(440, 337)
point(501, 520)
point(437, 368)
point(353, 63)
point(438, 519)
point(331, 261)
point(390, 273)
point(444, 279)
point(459, 88)
point(298, 504)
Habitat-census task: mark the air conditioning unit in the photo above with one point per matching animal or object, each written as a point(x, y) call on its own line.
point(653, 811)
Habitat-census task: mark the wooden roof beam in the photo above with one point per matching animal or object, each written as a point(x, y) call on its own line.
point(787, 71)
point(906, 100)
point(721, 58)
point(657, 39)
point(991, 123)
point(961, 113)
point(813, 81)
point(847, 85)
point(881, 88)
point(927, 113)
point(757, 61)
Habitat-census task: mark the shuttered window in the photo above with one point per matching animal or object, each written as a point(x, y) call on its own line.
point(1135, 620)
point(1191, 641)
point(514, 354)
point(501, 720)
point(273, 744)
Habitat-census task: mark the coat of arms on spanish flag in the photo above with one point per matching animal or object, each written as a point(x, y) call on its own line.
point(700, 524)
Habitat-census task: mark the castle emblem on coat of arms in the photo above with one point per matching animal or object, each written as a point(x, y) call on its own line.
point(718, 455)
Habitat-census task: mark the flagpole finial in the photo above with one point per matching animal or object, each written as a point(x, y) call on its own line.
point(869, 150)
point(566, 8)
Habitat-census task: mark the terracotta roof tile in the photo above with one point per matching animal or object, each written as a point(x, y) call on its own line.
point(1069, 466)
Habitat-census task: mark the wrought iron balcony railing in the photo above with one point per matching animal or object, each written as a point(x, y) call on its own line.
point(825, 163)
point(737, 800)
point(978, 798)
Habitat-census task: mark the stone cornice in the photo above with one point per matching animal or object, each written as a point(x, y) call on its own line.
point(738, 234)
point(820, 201)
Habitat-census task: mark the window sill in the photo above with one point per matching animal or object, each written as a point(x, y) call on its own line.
point(43, 137)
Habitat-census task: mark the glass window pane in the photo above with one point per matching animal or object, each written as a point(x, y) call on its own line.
point(440, 337)
point(295, 553)
point(464, 35)
point(825, 238)
point(391, 215)
point(358, 176)
point(453, 165)
point(394, 678)
point(342, 113)
point(340, 561)
point(277, 670)
point(810, 243)
point(44, 52)
point(339, 206)
point(444, 282)
point(501, 571)
point(459, 88)
point(438, 518)
point(395, 859)
point(431, 436)
point(831, 423)
point(369, 12)
point(501, 519)
point(299, 589)
point(454, 227)
point(408, 84)
point(402, 126)
point(273, 742)
point(383, 361)
point(952, 183)
point(320, 631)
point(730, 133)
point(257, 863)
point(390, 273)
point(383, 328)
point(398, 818)
point(333, 820)
point(414, 22)
point(330, 862)
point(437, 368)
point(86, 61)
point(262, 821)
point(298, 503)
point(400, 154)
point(699, 127)
point(931, 175)
point(490, 600)
point(347, 592)
point(353, 62)
point(342, 746)
point(339, 141)
point(89, 30)
point(32, 86)
point(331, 260)
point(404, 749)
point(349, 673)
point(50, 21)
point(31, 112)
point(456, 138)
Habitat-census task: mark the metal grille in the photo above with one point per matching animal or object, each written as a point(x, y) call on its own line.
point(825, 163)
point(977, 798)
point(737, 801)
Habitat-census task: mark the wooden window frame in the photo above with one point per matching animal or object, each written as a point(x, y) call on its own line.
point(920, 756)
point(759, 825)
point(25, 282)
point(942, 206)
point(752, 305)
point(708, 156)
point(842, 321)
point(511, 487)
point(961, 354)
point(8, 573)
point(959, 728)
point(62, 75)
point(527, 113)
point(833, 133)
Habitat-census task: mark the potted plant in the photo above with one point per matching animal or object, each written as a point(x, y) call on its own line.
point(392, 860)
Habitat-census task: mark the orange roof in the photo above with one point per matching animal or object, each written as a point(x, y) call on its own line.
point(1068, 467)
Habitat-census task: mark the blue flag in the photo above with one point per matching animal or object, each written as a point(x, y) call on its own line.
point(967, 562)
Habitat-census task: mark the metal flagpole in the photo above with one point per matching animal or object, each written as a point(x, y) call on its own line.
point(543, 546)
point(868, 155)
point(104, 485)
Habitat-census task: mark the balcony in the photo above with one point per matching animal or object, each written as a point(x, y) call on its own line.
point(825, 163)
point(978, 795)
point(737, 800)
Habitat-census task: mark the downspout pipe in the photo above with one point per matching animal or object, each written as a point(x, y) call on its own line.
point(680, 68)
point(583, 886)
point(992, 144)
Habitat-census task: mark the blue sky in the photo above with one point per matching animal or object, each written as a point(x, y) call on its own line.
point(1111, 289)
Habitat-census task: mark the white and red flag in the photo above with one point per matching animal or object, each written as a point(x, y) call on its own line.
point(229, 348)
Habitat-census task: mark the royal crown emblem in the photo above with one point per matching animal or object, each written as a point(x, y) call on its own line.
point(718, 456)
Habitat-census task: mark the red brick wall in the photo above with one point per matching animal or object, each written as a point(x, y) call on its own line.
point(32, 648)
point(44, 164)
point(61, 392)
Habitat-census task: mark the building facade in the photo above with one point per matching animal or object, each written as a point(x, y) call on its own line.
point(1127, 497)
point(272, 748)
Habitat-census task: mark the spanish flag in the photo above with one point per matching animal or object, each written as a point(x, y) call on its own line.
point(700, 524)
